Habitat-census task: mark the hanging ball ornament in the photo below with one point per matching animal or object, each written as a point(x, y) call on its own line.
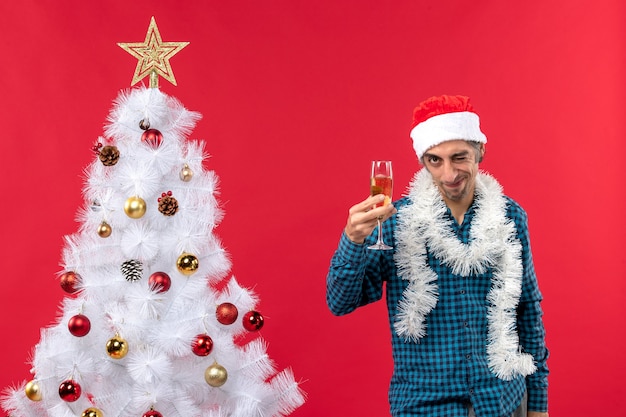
point(144, 124)
point(70, 281)
point(95, 206)
point(33, 391)
point(186, 174)
point(215, 375)
point(152, 413)
point(152, 137)
point(117, 347)
point(135, 207)
point(92, 412)
point(187, 264)
point(202, 345)
point(159, 282)
point(69, 390)
point(252, 321)
point(104, 230)
point(79, 325)
point(226, 313)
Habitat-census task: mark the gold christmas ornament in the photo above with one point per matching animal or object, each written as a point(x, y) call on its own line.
point(187, 264)
point(92, 412)
point(117, 347)
point(215, 375)
point(104, 230)
point(135, 207)
point(32, 390)
point(153, 56)
point(186, 174)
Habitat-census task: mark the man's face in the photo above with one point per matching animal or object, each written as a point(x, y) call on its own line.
point(454, 166)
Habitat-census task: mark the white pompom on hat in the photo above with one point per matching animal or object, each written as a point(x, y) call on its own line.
point(442, 118)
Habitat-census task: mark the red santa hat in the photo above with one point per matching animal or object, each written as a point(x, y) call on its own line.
point(442, 118)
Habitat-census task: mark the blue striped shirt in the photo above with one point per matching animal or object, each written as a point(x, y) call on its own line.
point(447, 369)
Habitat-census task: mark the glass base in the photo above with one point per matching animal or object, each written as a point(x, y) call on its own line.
point(379, 246)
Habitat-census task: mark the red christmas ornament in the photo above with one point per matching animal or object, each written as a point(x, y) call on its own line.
point(252, 321)
point(70, 281)
point(152, 137)
point(152, 413)
point(69, 390)
point(160, 282)
point(202, 345)
point(226, 313)
point(79, 325)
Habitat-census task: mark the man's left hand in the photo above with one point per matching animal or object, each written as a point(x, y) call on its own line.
point(537, 414)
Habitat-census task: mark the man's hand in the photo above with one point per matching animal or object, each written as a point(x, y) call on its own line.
point(537, 414)
point(363, 217)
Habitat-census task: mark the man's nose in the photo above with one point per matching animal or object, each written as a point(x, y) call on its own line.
point(448, 172)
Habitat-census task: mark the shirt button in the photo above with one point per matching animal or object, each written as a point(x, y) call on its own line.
point(471, 391)
point(465, 324)
point(462, 292)
point(468, 356)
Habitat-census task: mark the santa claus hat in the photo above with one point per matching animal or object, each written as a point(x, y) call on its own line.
point(442, 118)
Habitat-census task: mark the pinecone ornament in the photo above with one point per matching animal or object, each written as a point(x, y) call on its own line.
point(168, 205)
point(109, 155)
point(132, 270)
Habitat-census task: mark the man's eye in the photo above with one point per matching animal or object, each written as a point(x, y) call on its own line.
point(433, 159)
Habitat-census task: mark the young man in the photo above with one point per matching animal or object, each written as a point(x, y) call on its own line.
point(461, 291)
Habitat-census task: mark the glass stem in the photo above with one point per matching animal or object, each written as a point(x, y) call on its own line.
point(380, 233)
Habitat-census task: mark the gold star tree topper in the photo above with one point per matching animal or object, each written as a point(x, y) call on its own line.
point(153, 56)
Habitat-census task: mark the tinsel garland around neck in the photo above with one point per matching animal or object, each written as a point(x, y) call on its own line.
point(424, 229)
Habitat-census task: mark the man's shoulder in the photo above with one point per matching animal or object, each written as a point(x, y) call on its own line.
point(403, 201)
point(514, 210)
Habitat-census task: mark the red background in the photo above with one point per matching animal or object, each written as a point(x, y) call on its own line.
point(298, 97)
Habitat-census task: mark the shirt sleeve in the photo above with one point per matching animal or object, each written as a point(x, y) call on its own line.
point(530, 322)
point(353, 279)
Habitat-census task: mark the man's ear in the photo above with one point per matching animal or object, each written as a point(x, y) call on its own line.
point(483, 150)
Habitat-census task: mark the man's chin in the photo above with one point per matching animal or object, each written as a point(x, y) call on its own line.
point(454, 197)
point(454, 194)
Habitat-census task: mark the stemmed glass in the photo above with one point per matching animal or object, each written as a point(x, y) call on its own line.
point(381, 182)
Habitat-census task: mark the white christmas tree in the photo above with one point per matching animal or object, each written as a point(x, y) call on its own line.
point(152, 325)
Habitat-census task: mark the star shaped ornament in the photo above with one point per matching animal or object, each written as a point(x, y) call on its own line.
point(153, 56)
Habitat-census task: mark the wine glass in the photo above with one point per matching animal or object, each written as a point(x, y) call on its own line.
point(381, 182)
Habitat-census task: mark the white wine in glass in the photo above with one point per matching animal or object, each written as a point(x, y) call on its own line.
point(381, 182)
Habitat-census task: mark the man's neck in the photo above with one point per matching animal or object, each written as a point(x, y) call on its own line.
point(458, 208)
